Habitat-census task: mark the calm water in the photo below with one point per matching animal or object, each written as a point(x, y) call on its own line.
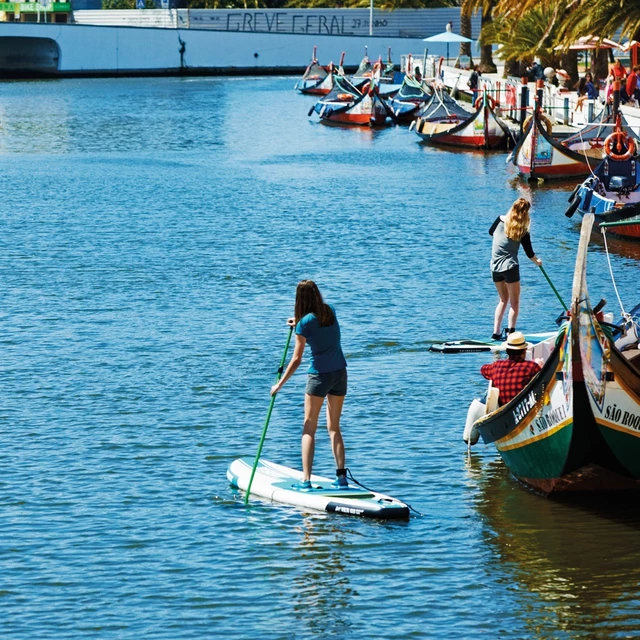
point(153, 232)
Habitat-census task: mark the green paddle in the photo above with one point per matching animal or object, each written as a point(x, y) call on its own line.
point(564, 306)
point(266, 424)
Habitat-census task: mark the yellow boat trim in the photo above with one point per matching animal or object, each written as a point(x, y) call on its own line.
point(533, 412)
point(541, 436)
point(617, 427)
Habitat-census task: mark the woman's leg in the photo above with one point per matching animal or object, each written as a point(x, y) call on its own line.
point(334, 411)
point(514, 301)
point(312, 406)
point(503, 292)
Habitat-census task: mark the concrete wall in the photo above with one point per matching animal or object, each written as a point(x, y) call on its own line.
point(98, 50)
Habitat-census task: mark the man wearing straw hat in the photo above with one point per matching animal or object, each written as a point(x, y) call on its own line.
point(512, 374)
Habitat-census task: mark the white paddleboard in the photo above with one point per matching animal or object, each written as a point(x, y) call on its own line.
point(478, 346)
point(279, 484)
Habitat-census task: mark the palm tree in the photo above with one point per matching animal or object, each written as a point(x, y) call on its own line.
point(469, 7)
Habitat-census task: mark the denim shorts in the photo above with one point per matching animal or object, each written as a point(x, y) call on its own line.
point(333, 383)
point(509, 276)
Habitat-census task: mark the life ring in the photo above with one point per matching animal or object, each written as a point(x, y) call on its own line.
point(618, 140)
point(344, 97)
point(548, 125)
point(365, 88)
point(478, 103)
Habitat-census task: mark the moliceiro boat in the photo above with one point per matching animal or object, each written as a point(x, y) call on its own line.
point(348, 105)
point(576, 425)
point(539, 155)
point(318, 80)
point(443, 121)
point(612, 192)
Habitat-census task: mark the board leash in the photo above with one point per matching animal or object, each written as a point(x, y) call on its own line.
point(351, 477)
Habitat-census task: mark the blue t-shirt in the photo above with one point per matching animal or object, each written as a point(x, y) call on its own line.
point(326, 352)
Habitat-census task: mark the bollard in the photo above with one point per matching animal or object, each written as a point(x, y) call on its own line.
point(565, 118)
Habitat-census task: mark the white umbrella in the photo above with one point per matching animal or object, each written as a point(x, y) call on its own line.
point(447, 36)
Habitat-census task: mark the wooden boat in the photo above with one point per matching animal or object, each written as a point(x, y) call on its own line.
point(576, 425)
point(366, 70)
point(539, 155)
point(317, 80)
point(348, 105)
point(412, 95)
point(612, 192)
point(443, 121)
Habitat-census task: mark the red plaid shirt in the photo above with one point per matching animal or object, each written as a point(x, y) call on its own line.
point(510, 376)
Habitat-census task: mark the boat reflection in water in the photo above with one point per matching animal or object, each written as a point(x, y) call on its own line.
point(574, 563)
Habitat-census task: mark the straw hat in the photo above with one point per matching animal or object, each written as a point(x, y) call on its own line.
point(516, 341)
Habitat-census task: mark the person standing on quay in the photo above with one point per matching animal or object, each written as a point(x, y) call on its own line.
point(316, 323)
point(509, 232)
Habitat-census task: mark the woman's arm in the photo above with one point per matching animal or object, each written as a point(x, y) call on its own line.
point(525, 241)
point(294, 363)
point(494, 226)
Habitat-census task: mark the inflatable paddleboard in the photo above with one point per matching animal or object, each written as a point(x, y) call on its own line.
point(279, 484)
point(478, 346)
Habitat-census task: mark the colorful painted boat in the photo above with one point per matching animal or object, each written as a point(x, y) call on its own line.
point(612, 192)
point(348, 105)
point(406, 103)
point(562, 432)
point(444, 121)
point(317, 80)
point(367, 70)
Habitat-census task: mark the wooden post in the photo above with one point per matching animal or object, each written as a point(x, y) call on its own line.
point(524, 101)
point(565, 112)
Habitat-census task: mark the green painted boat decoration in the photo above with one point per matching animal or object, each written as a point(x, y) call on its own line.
point(576, 425)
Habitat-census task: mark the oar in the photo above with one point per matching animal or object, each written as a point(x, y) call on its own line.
point(266, 423)
point(564, 306)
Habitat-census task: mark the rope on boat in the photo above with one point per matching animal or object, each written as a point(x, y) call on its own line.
point(628, 318)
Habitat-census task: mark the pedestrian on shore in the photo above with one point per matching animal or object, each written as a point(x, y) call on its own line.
point(586, 90)
point(619, 72)
point(509, 232)
point(316, 323)
point(535, 71)
point(473, 81)
point(633, 84)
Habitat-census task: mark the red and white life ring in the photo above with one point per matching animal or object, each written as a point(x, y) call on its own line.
point(478, 103)
point(616, 142)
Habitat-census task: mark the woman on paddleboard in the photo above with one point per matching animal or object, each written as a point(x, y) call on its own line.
point(316, 323)
point(509, 232)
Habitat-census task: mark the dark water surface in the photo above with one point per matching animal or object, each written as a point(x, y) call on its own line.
point(153, 232)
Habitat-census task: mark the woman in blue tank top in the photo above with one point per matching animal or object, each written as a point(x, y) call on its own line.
point(316, 323)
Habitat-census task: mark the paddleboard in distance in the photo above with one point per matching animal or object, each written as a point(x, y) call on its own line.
point(478, 346)
point(279, 484)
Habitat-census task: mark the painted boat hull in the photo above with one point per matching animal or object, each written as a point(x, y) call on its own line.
point(608, 206)
point(365, 111)
point(481, 130)
point(538, 155)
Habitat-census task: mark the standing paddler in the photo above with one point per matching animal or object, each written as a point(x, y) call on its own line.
point(316, 323)
point(509, 232)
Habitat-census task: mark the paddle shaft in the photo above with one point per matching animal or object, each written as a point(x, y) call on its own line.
point(266, 422)
point(564, 306)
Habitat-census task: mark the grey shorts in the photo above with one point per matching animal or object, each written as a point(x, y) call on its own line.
point(333, 383)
